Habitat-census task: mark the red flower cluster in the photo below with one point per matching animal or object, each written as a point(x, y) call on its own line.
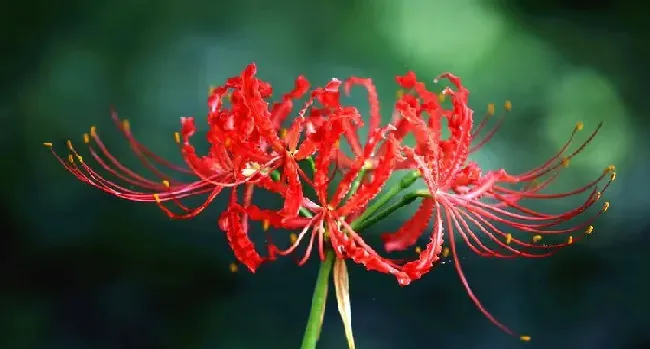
point(250, 150)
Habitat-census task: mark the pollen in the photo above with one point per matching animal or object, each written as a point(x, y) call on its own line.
point(69, 143)
point(418, 249)
point(70, 159)
point(233, 267)
point(293, 237)
point(86, 138)
point(126, 125)
point(570, 241)
point(612, 177)
point(605, 206)
point(579, 126)
point(508, 106)
point(537, 238)
point(283, 133)
point(490, 109)
point(589, 230)
point(266, 224)
point(80, 159)
point(166, 183)
point(156, 197)
point(93, 131)
point(508, 238)
point(524, 338)
point(611, 168)
point(565, 162)
point(598, 195)
point(47, 144)
point(177, 137)
point(445, 252)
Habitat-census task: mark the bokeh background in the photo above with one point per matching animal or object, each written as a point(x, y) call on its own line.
point(80, 269)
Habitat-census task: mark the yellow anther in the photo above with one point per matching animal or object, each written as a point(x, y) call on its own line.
point(70, 159)
point(69, 143)
point(565, 162)
point(537, 238)
point(399, 94)
point(589, 230)
point(579, 126)
point(508, 238)
point(283, 133)
point(293, 237)
point(233, 267)
point(177, 137)
point(605, 206)
point(508, 105)
point(266, 224)
point(165, 183)
point(86, 138)
point(418, 249)
point(598, 195)
point(445, 252)
point(611, 168)
point(47, 144)
point(570, 241)
point(524, 338)
point(80, 158)
point(490, 110)
point(612, 177)
point(93, 131)
point(442, 97)
point(156, 197)
point(126, 125)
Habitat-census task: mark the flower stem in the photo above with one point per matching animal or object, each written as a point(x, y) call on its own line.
point(319, 298)
point(406, 200)
point(318, 301)
point(404, 183)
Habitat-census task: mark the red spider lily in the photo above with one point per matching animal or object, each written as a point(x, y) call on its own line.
point(249, 148)
point(245, 147)
point(462, 195)
point(246, 136)
point(332, 216)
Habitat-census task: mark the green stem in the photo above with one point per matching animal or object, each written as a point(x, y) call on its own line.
point(355, 185)
point(404, 201)
point(318, 301)
point(404, 183)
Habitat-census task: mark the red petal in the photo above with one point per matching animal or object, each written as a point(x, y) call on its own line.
point(408, 234)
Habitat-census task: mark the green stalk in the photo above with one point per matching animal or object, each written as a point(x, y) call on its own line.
point(407, 199)
point(319, 297)
point(404, 183)
point(318, 301)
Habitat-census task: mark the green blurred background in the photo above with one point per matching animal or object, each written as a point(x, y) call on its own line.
point(80, 269)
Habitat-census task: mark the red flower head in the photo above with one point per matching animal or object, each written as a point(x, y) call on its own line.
point(462, 195)
point(249, 148)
